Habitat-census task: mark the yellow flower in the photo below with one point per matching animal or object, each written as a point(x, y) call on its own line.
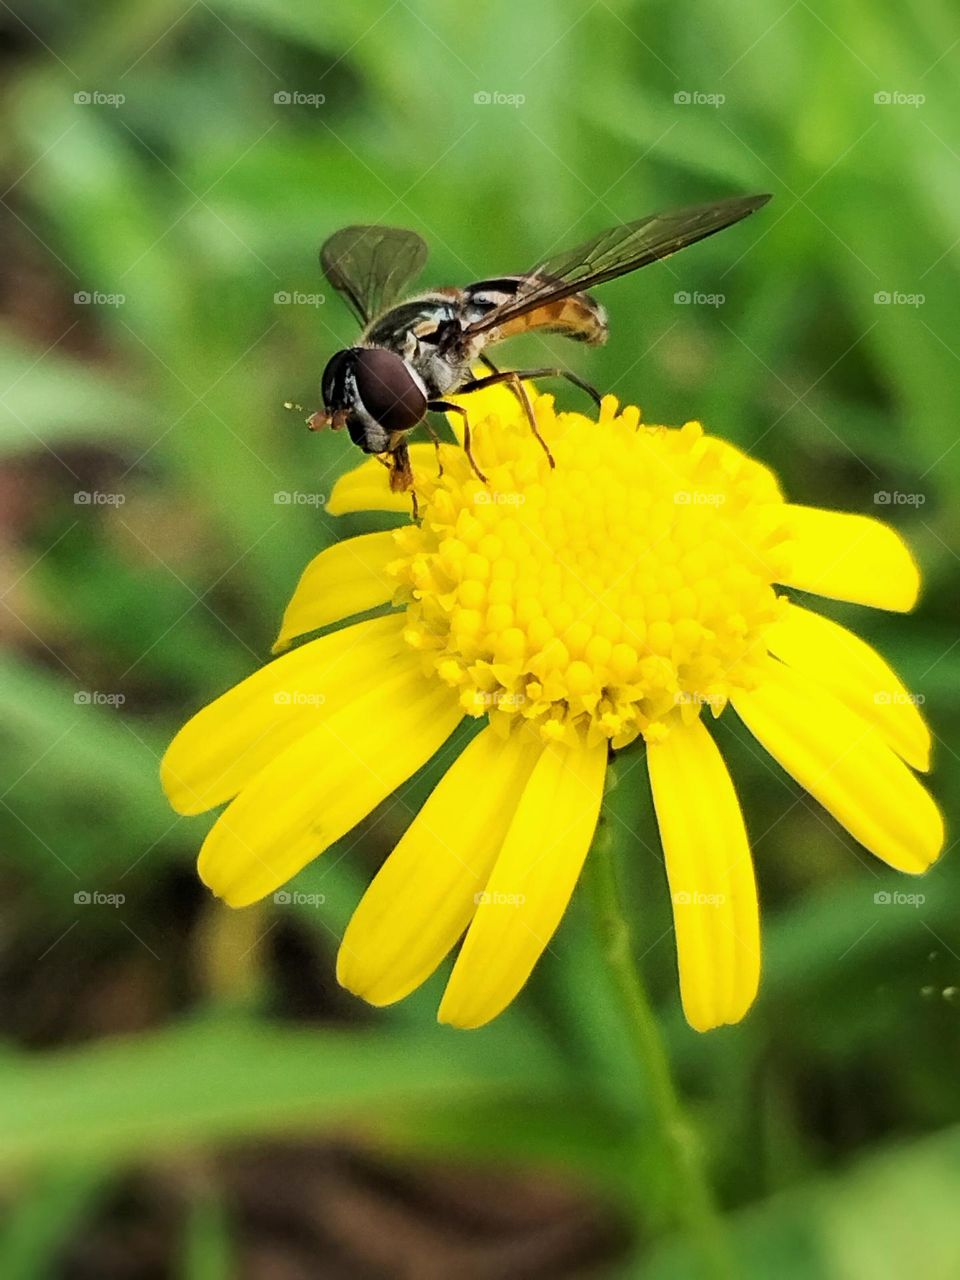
point(623, 594)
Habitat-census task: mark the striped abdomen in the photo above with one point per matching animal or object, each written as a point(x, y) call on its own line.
point(579, 316)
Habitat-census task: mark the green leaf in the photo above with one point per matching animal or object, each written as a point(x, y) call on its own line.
point(217, 1080)
point(48, 1211)
point(52, 401)
point(886, 1217)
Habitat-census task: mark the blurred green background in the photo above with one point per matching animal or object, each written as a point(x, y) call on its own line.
point(184, 1090)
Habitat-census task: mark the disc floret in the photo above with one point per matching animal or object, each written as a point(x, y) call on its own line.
point(611, 596)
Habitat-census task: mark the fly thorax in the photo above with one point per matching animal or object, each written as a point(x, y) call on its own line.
point(441, 374)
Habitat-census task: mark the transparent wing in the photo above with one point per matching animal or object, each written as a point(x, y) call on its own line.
point(615, 253)
point(372, 266)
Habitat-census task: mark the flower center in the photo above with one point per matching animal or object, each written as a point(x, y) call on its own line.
point(612, 596)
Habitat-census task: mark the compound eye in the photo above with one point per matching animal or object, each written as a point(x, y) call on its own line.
point(388, 389)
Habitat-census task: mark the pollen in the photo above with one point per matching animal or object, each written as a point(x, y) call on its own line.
point(616, 594)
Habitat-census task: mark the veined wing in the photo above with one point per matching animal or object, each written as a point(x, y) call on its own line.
point(617, 252)
point(371, 267)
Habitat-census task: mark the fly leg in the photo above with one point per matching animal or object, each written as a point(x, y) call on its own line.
point(436, 445)
point(444, 406)
point(488, 364)
point(513, 380)
point(401, 474)
point(530, 374)
point(588, 387)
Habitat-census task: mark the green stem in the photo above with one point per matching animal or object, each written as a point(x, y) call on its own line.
point(693, 1202)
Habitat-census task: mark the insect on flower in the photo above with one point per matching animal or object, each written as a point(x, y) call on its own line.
point(412, 354)
point(608, 605)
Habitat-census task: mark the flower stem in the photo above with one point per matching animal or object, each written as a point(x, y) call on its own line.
point(693, 1200)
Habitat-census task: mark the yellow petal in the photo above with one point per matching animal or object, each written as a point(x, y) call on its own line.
point(530, 884)
point(850, 557)
point(322, 785)
point(853, 672)
point(710, 870)
point(425, 893)
point(367, 487)
point(347, 578)
point(232, 739)
point(845, 764)
point(765, 478)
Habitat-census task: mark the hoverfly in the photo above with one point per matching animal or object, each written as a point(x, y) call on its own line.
point(414, 353)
